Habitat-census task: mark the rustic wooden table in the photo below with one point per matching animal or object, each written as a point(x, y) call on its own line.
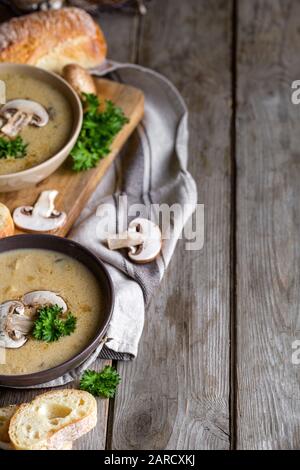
point(214, 369)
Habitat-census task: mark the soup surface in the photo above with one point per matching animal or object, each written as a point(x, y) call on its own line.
point(26, 270)
point(43, 142)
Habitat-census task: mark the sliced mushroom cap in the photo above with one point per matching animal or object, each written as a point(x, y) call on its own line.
point(43, 217)
point(151, 246)
point(14, 324)
point(39, 298)
point(19, 113)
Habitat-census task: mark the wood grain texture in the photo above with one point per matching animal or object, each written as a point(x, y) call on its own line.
point(175, 395)
point(268, 225)
point(76, 188)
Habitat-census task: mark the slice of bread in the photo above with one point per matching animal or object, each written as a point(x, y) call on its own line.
point(6, 414)
point(6, 222)
point(52, 419)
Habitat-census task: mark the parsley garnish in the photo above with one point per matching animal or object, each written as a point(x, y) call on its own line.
point(100, 384)
point(97, 133)
point(50, 325)
point(15, 148)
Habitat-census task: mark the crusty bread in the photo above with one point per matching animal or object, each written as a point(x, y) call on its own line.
point(6, 222)
point(6, 414)
point(53, 39)
point(53, 418)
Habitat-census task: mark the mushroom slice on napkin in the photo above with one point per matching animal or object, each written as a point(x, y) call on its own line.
point(43, 217)
point(143, 238)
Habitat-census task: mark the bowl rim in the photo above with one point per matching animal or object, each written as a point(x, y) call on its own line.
point(36, 378)
point(76, 127)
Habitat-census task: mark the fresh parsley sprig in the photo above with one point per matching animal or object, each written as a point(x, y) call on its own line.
point(50, 325)
point(15, 148)
point(98, 130)
point(100, 384)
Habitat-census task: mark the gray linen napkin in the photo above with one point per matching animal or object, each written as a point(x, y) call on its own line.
point(150, 171)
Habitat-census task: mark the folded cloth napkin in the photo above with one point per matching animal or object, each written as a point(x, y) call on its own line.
point(150, 171)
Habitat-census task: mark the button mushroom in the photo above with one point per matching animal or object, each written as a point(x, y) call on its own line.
point(20, 113)
point(143, 239)
point(14, 324)
point(79, 79)
point(39, 298)
point(43, 217)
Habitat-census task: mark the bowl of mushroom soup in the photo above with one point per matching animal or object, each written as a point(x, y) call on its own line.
point(56, 302)
point(40, 120)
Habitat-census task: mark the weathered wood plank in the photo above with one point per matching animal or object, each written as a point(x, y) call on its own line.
point(268, 227)
point(176, 393)
point(122, 48)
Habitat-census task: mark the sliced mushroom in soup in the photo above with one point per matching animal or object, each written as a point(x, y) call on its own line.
point(36, 278)
point(39, 114)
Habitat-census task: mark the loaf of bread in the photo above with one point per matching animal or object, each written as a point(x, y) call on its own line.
point(6, 222)
point(53, 39)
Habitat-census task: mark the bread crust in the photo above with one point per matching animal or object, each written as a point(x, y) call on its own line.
point(53, 39)
point(7, 227)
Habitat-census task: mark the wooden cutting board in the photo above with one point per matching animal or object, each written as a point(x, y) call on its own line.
point(76, 188)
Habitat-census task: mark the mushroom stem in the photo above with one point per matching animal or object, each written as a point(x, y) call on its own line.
point(125, 240)
point(44, 206)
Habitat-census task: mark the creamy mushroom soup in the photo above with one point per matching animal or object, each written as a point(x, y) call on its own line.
point(43, 142)
point(24, 271)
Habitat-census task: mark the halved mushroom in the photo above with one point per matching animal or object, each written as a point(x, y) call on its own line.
point(143, 238)
point(43, 217)
point(20, 113)
point(14, 324)
point(39, 298)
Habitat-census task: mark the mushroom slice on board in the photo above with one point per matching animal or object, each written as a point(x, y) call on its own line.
point(20, 113)
point(43, 217)
point(14, 324)
point(143, 238)
point(39, 298)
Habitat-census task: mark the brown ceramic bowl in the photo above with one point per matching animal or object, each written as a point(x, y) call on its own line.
point(88, 259)
point(35, 174)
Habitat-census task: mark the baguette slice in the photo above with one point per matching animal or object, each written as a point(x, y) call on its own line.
point(6, 414)
point(52, 39)
point(52, 419)
point(6, 222)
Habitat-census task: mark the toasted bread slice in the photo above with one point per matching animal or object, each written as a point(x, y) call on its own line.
point(6, 414)
point(6, 222)
point(53, 418)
